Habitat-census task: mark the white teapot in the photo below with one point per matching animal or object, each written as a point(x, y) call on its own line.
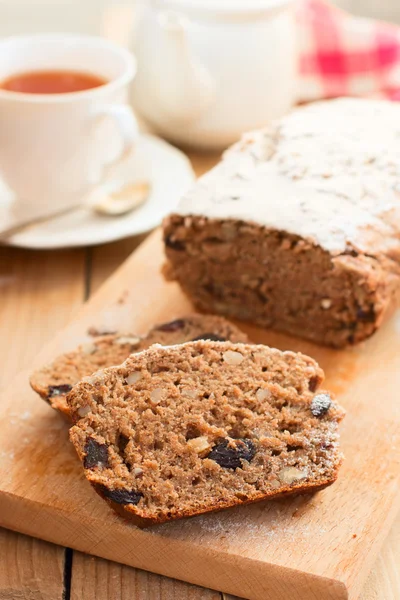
point(210, 69)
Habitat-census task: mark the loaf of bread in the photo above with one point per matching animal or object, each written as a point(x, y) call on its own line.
point(182, 430)
point(298, 228)
point(54, 381)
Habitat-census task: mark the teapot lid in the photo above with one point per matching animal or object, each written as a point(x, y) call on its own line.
point(224, 8)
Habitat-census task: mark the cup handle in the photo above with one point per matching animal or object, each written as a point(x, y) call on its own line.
point(127, 126)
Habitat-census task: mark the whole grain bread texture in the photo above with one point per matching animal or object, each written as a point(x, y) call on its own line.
point(54, 381)
point(298, 228)
point(183, 430)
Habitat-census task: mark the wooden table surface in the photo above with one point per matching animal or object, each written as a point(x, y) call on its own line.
point(39, 293)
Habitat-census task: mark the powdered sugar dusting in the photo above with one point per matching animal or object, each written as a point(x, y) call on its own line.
point(329, 172)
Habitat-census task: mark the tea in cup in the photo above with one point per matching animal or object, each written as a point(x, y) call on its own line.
point(64, 117)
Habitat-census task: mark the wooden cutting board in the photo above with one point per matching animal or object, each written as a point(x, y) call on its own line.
point(302, 548)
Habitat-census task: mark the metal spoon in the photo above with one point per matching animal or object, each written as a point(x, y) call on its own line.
point(119, 199)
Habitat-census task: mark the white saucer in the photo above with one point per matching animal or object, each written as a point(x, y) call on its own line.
point(170, 174)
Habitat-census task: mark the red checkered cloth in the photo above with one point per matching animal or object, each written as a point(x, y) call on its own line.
point(343, 55)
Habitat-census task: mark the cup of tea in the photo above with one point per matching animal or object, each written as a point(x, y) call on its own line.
point(64, 117)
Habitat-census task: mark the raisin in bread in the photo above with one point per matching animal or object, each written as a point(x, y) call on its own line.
point(182, 430)
point(54, 381)
point(298, 228)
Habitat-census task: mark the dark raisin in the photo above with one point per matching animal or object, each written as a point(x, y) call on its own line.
point(175, 325)
point(122, 496)
point(231, 456)
point(96, 454)
point(58, 390)
point(367, 316)
point(174, 244)
point(313, 383)
point(320, 404)
point(209, 336)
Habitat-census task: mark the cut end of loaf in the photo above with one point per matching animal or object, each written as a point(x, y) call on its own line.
point(183, 430)
point(278, 280)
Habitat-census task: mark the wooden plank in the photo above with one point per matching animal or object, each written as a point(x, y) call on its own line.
point(104, 260)
point(29, 568)
point(39, 294)
point(305, 547)
point(98, 579)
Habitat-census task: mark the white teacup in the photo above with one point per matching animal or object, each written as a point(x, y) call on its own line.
point(54, 147)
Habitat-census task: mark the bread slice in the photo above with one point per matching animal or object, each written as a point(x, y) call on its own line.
point(54, 381)
point(178, 431)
